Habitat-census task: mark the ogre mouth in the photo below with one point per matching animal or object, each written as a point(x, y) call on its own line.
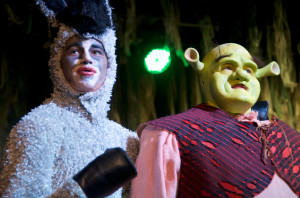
point(239, 86)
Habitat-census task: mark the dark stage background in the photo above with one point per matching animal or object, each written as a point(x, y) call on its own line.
point(269, 29)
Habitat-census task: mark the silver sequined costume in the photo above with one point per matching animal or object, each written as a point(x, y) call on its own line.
point(60, 137)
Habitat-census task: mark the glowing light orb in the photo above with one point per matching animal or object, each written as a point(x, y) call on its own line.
point(157, 60)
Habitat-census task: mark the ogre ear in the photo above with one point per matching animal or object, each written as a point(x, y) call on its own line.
point(191, 55)
point(272, 69)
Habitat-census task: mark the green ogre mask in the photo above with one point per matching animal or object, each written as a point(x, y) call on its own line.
point(229, 77)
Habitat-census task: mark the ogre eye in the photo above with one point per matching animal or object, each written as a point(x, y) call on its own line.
point(228, 67)
point(249, 70)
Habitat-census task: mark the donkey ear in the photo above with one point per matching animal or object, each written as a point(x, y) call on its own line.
point(55, 5)
point(86, 16)
point(51, 8)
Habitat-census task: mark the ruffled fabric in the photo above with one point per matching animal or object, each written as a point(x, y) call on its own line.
point(252, 116)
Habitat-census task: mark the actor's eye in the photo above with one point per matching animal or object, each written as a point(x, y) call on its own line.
point(73, 51)
point(97, 52)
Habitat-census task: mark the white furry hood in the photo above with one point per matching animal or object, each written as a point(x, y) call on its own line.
point(95, 104)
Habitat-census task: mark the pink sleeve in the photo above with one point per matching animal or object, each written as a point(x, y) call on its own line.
point(158, 165)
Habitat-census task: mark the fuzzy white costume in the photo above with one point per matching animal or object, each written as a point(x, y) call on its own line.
point(69, 130)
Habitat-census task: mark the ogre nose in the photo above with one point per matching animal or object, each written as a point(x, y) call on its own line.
point(242, 75)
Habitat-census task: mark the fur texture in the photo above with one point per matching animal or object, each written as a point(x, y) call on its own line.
point(70, 129)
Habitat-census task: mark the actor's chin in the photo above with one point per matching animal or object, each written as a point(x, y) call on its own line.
point(85, 86)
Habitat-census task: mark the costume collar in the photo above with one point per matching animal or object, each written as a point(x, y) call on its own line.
point(261, 107)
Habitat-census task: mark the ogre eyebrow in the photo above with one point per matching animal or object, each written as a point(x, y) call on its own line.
point(223, 56)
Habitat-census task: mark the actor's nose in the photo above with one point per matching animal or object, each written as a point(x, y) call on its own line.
point(86, 58)
point(242, 75)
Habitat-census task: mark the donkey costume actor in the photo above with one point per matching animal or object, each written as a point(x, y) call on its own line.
point(58, 139)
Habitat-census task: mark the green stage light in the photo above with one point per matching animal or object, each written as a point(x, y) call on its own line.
point(157, 60)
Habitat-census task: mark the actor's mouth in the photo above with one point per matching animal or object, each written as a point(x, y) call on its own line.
point(86, 71)
point(239, 86)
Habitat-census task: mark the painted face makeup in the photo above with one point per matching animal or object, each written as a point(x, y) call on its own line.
point(84, 64)
point(229, 80)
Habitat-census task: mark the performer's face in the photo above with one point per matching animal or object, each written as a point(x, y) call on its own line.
point(84, 64)
point(229, 78)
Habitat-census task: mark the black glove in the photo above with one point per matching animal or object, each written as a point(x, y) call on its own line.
point(106, 174)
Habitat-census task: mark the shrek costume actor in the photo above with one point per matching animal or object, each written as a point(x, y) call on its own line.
point(56, 149)
point(225, 147)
